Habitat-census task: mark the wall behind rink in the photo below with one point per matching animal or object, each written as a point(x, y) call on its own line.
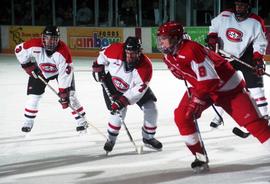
point(86, 41)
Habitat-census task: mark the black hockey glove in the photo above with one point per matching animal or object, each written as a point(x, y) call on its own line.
point(260, 66)
point(212, 41)
point(98, 72)
point(119, 103)
point(31, 67)
point(64, 97)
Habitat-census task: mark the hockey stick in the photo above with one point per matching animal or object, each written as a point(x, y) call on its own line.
point(69, 105)
point(197, 126)
point(238, 60)
point(138, 149)
point(237, 131)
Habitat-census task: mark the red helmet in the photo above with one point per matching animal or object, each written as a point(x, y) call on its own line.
point(172, 32)
point(171, 28)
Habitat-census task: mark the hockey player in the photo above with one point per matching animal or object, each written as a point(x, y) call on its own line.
point(126, 72)
point(242, 34)
point(213, 80)
point(50, 58)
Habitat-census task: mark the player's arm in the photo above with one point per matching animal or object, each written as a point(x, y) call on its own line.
point(65, 77)
point(24, 57)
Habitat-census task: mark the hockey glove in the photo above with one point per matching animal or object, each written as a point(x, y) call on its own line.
point(31, 67)
point(98, 72)
point(212, 41)
point(195, 108)
point(64, 97)
point(260, 66)
point(119, 103)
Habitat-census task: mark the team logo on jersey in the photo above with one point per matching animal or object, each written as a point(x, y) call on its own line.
point(48, 67)
point(120, 85)
point(234, 35)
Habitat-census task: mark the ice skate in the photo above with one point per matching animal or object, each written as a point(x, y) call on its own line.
point(82, 127)
point(108, 146)
point(199, 166)
point(27, 126)
point(152, 143)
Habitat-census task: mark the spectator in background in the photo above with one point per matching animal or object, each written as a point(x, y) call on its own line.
point(128, 13)
point(84, 15)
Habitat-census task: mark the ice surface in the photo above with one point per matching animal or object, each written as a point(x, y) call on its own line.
point(54, 152)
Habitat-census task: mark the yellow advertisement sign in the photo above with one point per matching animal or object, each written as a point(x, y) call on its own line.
point(19, 34)
point(92, 38)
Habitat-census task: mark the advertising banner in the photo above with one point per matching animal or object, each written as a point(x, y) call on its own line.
point(19, 34)
point(92, 38)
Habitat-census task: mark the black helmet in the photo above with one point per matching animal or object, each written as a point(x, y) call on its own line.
point(50, 38)
point(132, 44)
point(132, 52)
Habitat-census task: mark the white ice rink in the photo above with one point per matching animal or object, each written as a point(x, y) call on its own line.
point(54, 153)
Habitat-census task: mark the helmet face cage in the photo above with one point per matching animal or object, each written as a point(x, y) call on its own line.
point(50, 38)
point(132, 50)
point(168, 36)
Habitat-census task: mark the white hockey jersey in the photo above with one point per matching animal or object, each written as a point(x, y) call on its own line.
point(133, 84)
point(236, 35)
point(59, 63)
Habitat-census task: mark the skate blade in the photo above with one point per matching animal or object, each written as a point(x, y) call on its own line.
point(200, 170)
point(82, 132)
point(151, 147)
point(107, 153)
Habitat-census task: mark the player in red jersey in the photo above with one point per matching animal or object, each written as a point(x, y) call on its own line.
point(213, 81)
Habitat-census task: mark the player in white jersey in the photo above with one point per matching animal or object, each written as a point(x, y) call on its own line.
point(242, 34)
point(126, 72)
point(50, 58)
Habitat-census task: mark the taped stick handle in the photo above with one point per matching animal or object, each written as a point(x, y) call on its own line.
point(238, 60)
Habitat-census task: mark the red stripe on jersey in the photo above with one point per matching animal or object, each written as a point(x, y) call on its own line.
point(113, 127)
point(31, 111)
point(64, 51)
point(35, 42)
point(259, 19)
point(78, 110)
point(115, 51)
point(145, 68)
point(260, 99)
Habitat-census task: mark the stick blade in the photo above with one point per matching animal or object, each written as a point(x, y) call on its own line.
point(240, 133)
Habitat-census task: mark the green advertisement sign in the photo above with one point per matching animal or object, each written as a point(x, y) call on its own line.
point(197, 34)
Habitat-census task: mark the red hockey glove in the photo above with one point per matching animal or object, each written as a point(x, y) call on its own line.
point(195, 108)
point(212, 41)
point(31, 67)
point(260, 66)
point(98, 72)
point(64, 97)
point(119, 103)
